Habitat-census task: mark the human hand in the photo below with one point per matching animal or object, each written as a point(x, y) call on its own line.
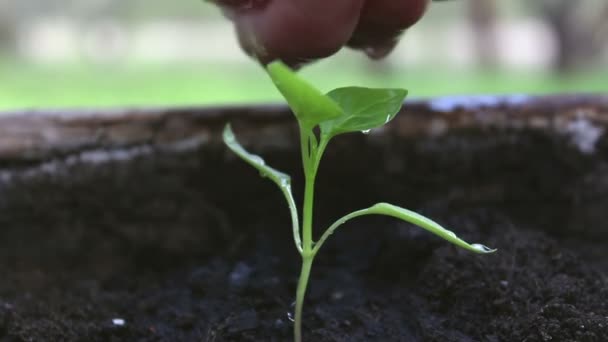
point(300, 31)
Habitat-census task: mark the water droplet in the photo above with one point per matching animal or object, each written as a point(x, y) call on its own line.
point(285, 183)
point(388, 118)
point(258, 160)
point(290, 313)
point(452, 234)
point(482, 248)
point(366, 131)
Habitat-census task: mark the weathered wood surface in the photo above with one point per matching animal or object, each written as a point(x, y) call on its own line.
point(40, 135)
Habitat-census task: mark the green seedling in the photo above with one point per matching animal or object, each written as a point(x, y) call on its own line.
point(321, 117)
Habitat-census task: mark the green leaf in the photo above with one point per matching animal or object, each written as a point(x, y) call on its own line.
point(279, 178)
point(364, 109)
point(256, 161)
point(408, 216)
point(308, 103)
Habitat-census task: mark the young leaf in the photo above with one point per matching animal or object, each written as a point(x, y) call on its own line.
point(364, 109)
point(308, 103)
point(281, 179)
point(408, 216)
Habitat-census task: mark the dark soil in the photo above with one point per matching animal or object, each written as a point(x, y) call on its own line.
point(193, 246)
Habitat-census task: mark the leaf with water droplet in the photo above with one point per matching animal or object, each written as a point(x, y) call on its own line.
point(281, 179)
point(364, 109)
point(408, 216)
point(309, 104)
point(427, 224)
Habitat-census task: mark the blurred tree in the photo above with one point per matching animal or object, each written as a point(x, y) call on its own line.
point(8, 27)
point(14, 14)
point(483, 15)
point(580, 29)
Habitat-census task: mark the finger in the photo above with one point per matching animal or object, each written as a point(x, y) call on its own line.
point(295, 31)
point(382, 22)
point(231, 7)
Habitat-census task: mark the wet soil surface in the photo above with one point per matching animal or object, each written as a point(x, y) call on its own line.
point(193, 246)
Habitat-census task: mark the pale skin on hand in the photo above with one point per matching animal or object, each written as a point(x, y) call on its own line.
point(300, 31)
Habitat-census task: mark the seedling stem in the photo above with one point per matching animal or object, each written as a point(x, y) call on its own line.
point(342, 110)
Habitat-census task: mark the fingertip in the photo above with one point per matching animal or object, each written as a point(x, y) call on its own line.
point(375, 46)
point(297, 32)
point(380, 50)
point(294, 64)
point(382, 23)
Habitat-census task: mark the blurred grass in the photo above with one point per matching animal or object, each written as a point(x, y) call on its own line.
point(24, 86)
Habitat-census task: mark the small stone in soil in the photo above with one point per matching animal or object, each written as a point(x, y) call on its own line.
point(240, 275)
point(119, 322)
point(337, 295)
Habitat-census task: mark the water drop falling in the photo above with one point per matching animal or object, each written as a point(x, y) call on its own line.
point(290, 313)
point(482, 248)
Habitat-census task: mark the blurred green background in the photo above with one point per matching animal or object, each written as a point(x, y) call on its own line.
point(94, 53)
